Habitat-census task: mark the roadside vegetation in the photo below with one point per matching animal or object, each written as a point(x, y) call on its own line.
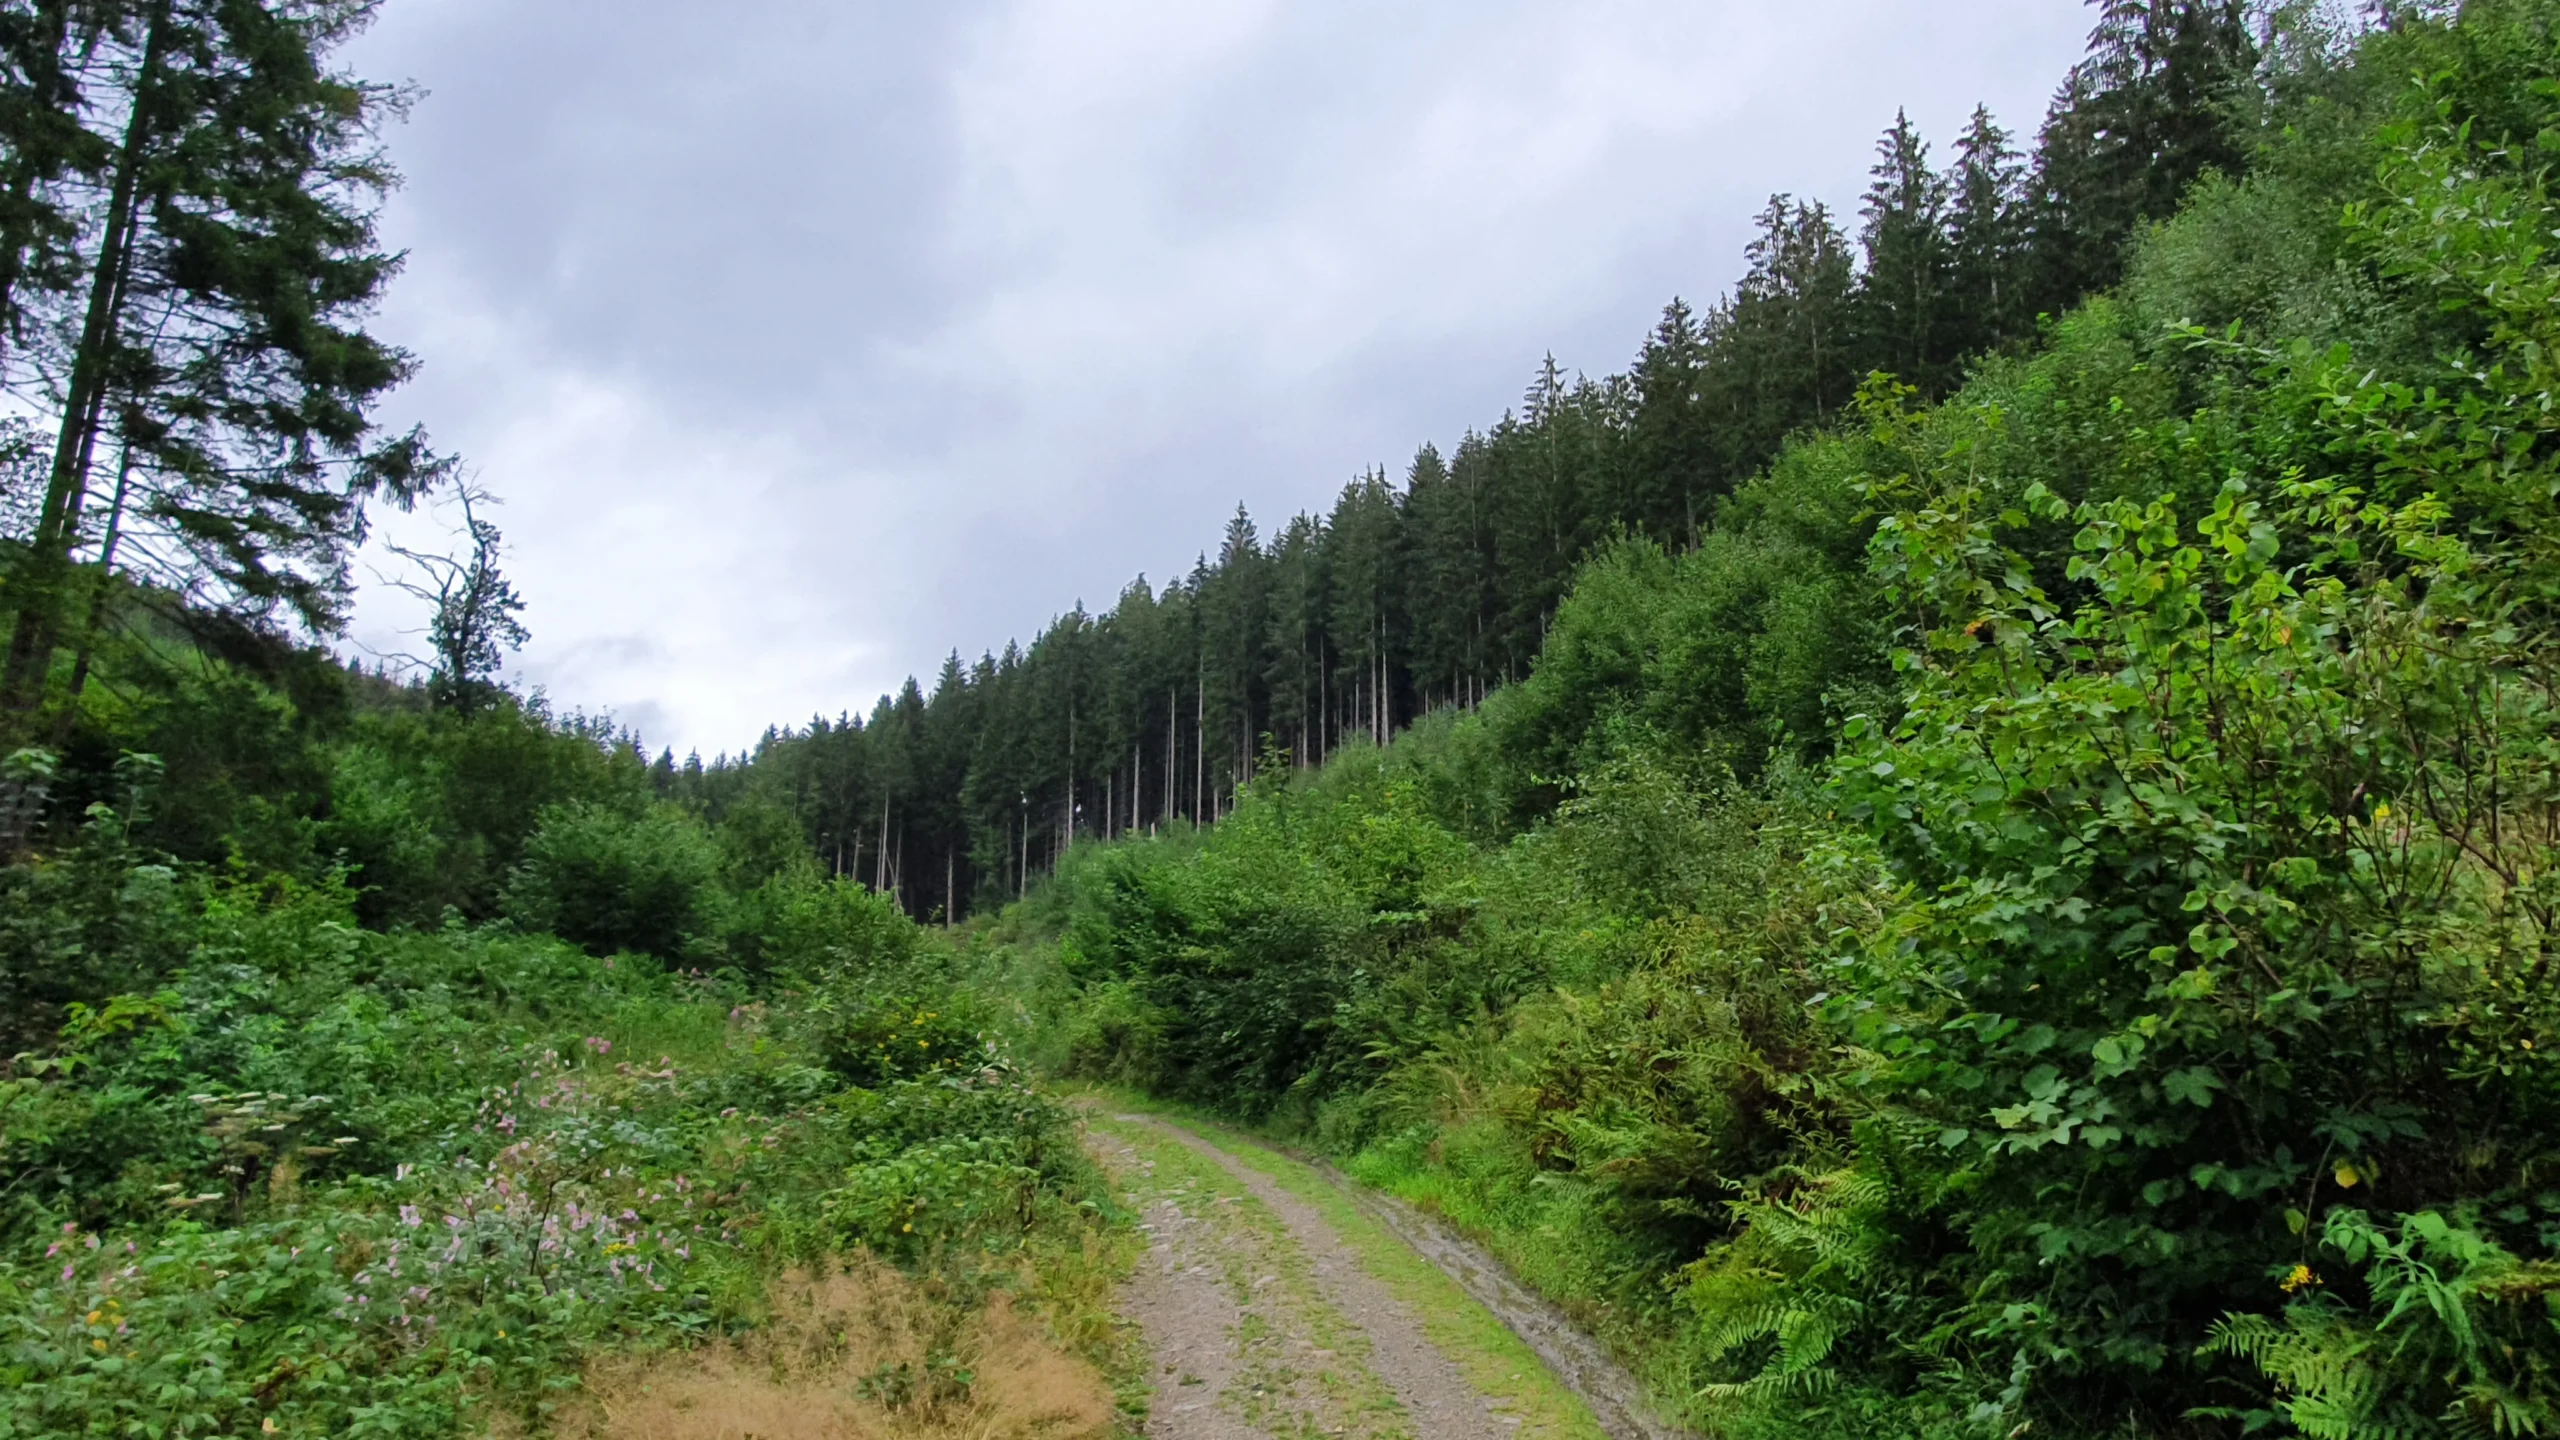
point(2034, 924)
point(305, 1177)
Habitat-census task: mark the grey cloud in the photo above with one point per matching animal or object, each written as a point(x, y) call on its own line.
point(813, 340)
point(729, 198)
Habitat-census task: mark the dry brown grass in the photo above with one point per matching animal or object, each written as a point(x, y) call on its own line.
point(828, 1368)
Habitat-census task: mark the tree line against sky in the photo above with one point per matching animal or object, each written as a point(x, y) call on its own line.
point(1431, 588)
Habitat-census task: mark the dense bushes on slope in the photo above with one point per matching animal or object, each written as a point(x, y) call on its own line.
point(2039, 921)
point(315, 1179)
point(274, 1161)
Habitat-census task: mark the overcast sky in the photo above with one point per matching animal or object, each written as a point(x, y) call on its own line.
point(808, 340)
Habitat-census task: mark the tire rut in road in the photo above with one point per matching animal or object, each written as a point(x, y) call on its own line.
point(1617, 1399)
point(1261, 1319)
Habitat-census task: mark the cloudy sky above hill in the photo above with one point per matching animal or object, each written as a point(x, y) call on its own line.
point(809, 340)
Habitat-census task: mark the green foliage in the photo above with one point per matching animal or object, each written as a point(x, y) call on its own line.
point(886, 1027)
point(925, 1198)
point(797, 924)
point(347, 1182)
point(100, 918)
point(611, 881)
point(2216, 914)
point(2452, 1334)
point(432, 810)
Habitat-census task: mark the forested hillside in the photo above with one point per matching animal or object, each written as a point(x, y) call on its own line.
point(2035, 919)
point(1432, 588)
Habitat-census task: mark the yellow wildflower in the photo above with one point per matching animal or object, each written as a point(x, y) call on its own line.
point(2301, 1278)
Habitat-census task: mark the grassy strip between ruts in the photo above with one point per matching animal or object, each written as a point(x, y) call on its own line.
point(1359, 1403)
point(1493, 1359)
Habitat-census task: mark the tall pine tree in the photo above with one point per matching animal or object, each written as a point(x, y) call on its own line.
point(2157, 102)
point(1902, 297)
point(1986, 239)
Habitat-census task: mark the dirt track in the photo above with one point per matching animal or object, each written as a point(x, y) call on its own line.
point(1305, 1309)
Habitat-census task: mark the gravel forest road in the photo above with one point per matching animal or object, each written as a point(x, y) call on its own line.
point(1280, 1301)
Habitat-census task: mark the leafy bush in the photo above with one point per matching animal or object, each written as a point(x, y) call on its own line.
point(609, 880)
point(349, 1183)
point(2454, 1332)
point(896, 1016)
point(796, 923)
point(100, 917)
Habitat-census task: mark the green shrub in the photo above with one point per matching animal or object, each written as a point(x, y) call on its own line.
point(953, 1158)
point(2215, 926)
point(99, 917)
point(610, 880)
point(875, 1034)
point(797, 923)
point(1112, 1034)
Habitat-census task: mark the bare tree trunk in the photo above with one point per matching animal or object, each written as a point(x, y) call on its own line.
point(32, 639)
point(99, 595)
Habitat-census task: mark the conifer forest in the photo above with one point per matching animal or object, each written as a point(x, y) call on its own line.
point(1968, 849)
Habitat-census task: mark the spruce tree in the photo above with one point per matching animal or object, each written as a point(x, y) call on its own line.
point(1294, 652)
point(1986, 239)
point(1364, 544)
point(1902, 296)
point(1235, 608)
point(238, 184)
point(1781, 356)
point(1670, 450)
point(2155, 104)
